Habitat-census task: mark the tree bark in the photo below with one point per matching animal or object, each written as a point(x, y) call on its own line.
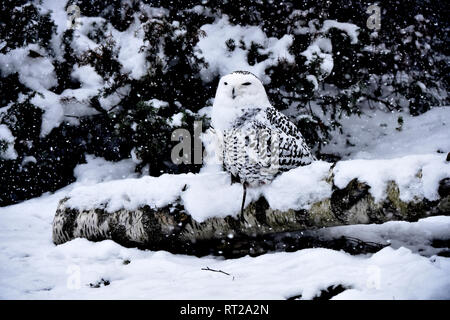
point(254, 231)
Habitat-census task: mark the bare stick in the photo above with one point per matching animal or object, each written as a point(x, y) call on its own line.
point(220, 271)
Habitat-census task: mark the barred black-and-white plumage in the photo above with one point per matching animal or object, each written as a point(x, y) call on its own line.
point(259, 142)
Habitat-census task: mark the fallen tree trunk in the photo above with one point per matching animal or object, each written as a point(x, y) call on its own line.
point(171, 228)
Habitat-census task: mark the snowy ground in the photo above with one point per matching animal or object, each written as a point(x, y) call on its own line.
point(32, 267)
point(379, 135)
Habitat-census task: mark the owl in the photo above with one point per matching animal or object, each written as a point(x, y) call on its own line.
point(257, 141)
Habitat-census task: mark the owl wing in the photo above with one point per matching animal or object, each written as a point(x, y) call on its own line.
point(279, 120)
point(294, 151)
point(279, 133)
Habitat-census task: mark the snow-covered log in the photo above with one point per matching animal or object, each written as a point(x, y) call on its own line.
point(188, 213)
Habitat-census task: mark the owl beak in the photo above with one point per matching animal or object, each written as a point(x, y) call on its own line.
point(233, 95)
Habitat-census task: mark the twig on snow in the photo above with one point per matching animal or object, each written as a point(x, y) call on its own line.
point(220, 271)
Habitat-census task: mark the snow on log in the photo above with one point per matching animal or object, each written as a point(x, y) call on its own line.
point(190, 212)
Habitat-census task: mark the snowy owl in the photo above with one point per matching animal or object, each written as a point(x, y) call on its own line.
point(257, 142)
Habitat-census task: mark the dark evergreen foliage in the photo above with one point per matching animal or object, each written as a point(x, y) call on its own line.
point(404, 45)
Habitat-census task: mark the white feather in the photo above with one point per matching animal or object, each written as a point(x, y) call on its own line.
point(257, 141)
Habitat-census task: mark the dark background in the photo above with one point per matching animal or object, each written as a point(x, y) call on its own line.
point(420, 51)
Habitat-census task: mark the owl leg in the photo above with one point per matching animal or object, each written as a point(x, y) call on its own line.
point(243, 197)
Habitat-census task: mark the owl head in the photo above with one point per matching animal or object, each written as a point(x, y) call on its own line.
point(240, 89)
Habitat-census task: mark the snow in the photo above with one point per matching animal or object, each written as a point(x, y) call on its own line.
point(416, 170)
point(87, 76)
point(36, 73)
point(200, 199)
point(130, 55)
point(114, 98)
point(313, 80)
point(97, 169)
point(157, 103)
point(321, 49)
point(76, 102)
point(376, 148)
point(415, 236)
point(378, 134)
point(212, 141)
point(7, 137)
point(58, 13)
point(53, 114)
point(221, 61)
point(349, 28)
point(210, 194)
point(81, 41)
point(207, 194)
point(28, 159)
point(127, 193)
point(39, 74)
point(33, 268)
point(299, 188)
point(176, 120)
point(405, 171)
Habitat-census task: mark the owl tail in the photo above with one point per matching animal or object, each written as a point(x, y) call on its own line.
point(243, 197)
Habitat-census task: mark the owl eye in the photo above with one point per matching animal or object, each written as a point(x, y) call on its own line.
point(246, 83)
point(225, 83)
